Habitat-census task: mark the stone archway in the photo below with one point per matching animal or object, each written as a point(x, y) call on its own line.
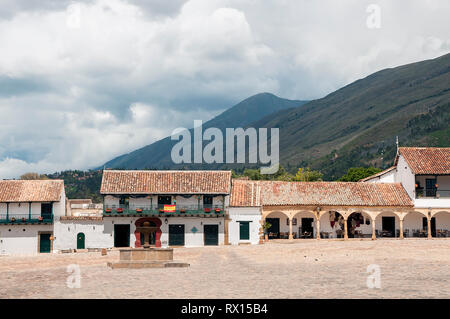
point(158, 231)
point(359, 224)
point(332, 224)
point(442, 223)
point(413, 224)
point(279, 221)
point(387, 224)
point(304, 224)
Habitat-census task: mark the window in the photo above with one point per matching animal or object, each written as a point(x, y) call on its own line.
point(164, 200)
point(207, 200)
point(46, 210)
point(430, 185)
point(124, 200)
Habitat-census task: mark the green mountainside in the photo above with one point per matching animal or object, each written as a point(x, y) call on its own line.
point(354, 126)
point(357, 125)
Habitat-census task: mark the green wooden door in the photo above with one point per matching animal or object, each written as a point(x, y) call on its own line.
point(80, 241)
point(244, 230)
point(176, 235)
point(44, 243)
point(211, 233)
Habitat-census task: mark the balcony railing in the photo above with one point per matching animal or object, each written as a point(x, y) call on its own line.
point(25, 219)
point(158, 210)
point(432, 193)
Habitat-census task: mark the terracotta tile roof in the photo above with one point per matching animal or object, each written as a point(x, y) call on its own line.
point(166, 182)
point(16, 191)
point(378, 174)
point(245, 193)
point(274, 193)
point(427, 160)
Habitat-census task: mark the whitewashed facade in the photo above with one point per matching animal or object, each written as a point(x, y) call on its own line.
point(244, 225)
point(198, 208)
point(424, 174)
point(28, 214)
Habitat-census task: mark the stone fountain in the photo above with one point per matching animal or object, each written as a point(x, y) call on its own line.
point(146, 257)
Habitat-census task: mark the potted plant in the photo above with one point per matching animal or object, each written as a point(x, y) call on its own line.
point(207, 210)
point(217, 210)
point(182, 210)
point(108, 210)
point(266, 227)
point(119, 210)
point(138, 210)
point(40, 218)
point(23, 219)
point(13, 219)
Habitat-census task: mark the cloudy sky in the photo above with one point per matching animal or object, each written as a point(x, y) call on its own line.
point(82, 82)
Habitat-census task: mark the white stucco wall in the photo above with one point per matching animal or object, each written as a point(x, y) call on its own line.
point(388, 177)
point(21, 239)
point(96, 234)
point(406, 177)
point(242, 214)
point(192, 239)
point(100, 234)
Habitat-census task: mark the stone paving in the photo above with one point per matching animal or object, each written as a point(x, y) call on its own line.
point(410, 268)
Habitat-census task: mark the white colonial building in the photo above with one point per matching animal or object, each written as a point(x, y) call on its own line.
point(186, 208)
point(201, 208)
point(28, 212)
point(424, 173)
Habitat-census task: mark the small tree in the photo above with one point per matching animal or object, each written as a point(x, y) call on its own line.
point(33, 176)
point(355, 174)
point(266, 226)
point(307, 175)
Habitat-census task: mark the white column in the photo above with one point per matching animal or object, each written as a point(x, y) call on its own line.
point(374, 235)
point(429, 226)
point(317, 226)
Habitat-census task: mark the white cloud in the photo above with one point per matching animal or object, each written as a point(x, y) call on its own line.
point(75, 96)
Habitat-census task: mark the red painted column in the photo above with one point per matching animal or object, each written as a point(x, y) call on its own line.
point(137, 243)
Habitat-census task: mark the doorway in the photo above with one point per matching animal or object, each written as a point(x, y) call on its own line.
point(244, 230)
point(307, 228)
point(211, 235)
point(430, 187)
point(45, 244)
point(388, 226)
point(81, 241)
point(274, 230)
point(121, 235)
point(176, 235)
point(46, 210)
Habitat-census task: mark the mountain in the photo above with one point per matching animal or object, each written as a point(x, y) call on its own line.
point(357, 125)
point(354, 126)
point(157, 155)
